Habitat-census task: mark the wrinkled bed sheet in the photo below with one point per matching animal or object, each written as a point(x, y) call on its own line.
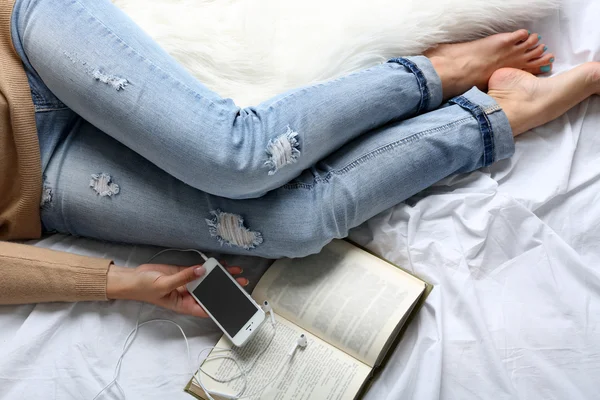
point(513, 252)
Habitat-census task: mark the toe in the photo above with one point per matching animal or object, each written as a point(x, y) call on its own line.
point(541, 61)
point(519, 36)
point(531, 42)
point(536, 52)
point(541, 65)
point(544, 69)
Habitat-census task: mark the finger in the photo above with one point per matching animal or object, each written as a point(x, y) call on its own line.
point(242, 281)
point(189, 306)
point(194, 309)
point(198, 311)
point(172, 282)
point(182, 290)
point(235, 270)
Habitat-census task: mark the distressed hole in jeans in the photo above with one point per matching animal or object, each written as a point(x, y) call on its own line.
point(282, 151)
point(46, 196)
point(115, 81)
point(229, 229)
point(103, 185)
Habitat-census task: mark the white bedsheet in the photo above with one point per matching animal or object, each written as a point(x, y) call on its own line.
point(513, 251)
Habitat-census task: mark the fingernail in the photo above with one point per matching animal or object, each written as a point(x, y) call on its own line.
point(199, 271)
point(245, 282)
point(529, 32)
point(241, 270)
point(545, 68)
point(539, 37)
point(545, 48)
point(552, 60)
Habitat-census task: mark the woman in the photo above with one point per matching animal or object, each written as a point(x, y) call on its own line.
point(132, 148)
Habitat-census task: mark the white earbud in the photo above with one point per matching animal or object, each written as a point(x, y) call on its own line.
point(268, 309)
point(302, 342)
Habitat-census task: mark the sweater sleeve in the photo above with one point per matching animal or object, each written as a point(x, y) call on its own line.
point(30, 274)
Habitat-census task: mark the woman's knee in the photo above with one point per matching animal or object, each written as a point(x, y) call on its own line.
point(232, 180)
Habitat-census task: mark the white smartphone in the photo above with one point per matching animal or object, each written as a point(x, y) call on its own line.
point(227, 303)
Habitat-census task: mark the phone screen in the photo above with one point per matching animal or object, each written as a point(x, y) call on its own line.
point(225, 301)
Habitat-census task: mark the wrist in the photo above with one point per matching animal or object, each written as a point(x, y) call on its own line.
point(118, 282)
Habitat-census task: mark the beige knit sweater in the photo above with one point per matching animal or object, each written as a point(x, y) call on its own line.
point(29, 274)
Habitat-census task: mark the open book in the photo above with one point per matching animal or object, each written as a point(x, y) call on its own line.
point(350, 304)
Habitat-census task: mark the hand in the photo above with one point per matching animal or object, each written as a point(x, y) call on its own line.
point(160, 284)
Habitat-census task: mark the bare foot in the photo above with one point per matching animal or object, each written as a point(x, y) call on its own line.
point(464, 65)
point(529, 101)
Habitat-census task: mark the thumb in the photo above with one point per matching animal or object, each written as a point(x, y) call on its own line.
point(172, 282)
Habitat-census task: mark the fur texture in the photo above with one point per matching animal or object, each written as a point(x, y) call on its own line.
point(250, 50)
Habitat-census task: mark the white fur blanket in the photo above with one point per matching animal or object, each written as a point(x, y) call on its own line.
point(250, 50)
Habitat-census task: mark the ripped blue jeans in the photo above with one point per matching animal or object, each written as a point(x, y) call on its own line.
point(134, 149)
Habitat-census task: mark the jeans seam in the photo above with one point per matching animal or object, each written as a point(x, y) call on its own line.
point(485, 126)
point(316, 85)
point(421, 81)
point(41, 102)
point(370, 155)
point(492, 109)
point(196, 94)
point(35, 96)
point(39, 109)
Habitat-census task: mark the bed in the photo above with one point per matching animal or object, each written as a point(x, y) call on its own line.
point(513, 251)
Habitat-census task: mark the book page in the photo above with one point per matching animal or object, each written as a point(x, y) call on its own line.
point(318, 371)
point(344, 295)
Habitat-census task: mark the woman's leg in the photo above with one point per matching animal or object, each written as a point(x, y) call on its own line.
point(365, 177)
point(97, 62)
point(131, 200)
